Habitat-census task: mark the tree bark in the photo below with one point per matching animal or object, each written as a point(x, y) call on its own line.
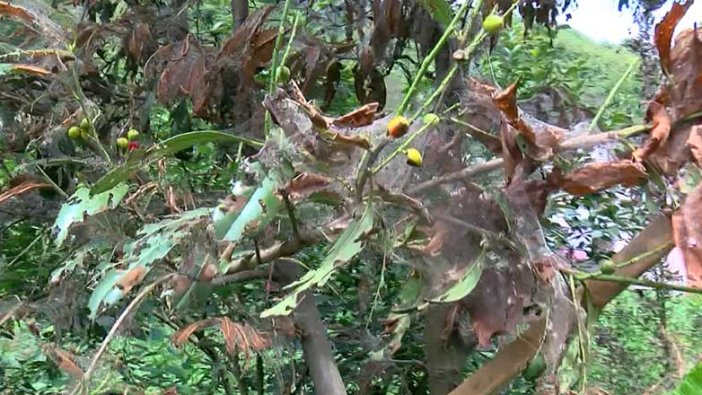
point(444, 357)
point(240, 11)
point(315, 345)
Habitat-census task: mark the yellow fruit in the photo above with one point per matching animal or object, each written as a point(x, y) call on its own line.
point(122, 142)
point(132, 134)
point(85, 124)
point(431, 119)
point(414, 157)
point(283, 74)
point(398, 126)
point(74, 132)
point(493, 23)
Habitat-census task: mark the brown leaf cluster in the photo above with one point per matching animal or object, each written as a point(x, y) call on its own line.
point(63, 359)
point(687, 232)
point(237, 337)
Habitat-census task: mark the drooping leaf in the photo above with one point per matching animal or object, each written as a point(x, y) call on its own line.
point(595, 177)
point(9, 68)
point(167, 147)
point(81, 204)
point(664, 31)
point(349, 243)
point(64, 360)
point(181, 336)
point(102, 290)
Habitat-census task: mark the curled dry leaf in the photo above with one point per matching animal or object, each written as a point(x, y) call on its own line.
point(22, 188)
point(361, 116)
point(541, 137)
point(305, 184)
point(687, 233)
point(658, 115)
point(595, 177)
point(664, 31)
point(179, 338)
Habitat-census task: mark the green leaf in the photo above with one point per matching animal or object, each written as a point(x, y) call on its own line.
point(465, 285)
point(260, 209)
point(349, 243)
point(165, 148)
point(81, 204)
point(440, 10)
point(103, 288)
point(691, 383)
point(154, 242)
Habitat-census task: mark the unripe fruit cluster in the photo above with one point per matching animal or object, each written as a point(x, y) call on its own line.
point(80, 131)
point(130, 142)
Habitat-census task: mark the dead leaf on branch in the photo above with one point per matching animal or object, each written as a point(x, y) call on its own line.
point(664, 31)
point(22, 188)
point(686, 69)
point(237, 337)
point(687, 233)
point(541, 137)
point(131, 278)
point(658, 115)
point(362, 116)
point(595, 177)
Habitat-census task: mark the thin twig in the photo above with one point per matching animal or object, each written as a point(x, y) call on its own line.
point(113, 331)
point(611, 94)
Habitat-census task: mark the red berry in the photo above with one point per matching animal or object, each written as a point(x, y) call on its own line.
point(133, 145)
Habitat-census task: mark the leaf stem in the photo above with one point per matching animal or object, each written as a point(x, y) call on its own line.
point(611, 94)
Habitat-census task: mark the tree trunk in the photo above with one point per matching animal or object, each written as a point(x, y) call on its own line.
point(444, 357)
point(318, 353)
point(240, 11)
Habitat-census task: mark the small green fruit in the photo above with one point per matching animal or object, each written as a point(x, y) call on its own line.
point(493, 23)
point(431, 119)
point(85, 124)
point(283, 75)
point(607, 266)
point(84, 135)
point(74, 132)
point(132, 134)
point(122, 142)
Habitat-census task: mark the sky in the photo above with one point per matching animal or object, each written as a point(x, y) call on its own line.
point(601, 21)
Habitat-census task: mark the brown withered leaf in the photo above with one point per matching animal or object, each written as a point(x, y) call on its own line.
point(179, 338)
point(244, 36)
point(686, 69)
point(658, 115)
point(242, 337)
point(304, 184)
point(595, 177)
point(333, 76)
point(511, 154)
point(22, 188)
point(687, 233)
point(361, 116)
point(185, 69)
point(664, 31)
point(131, 278)
point(669, 158)
point(541, 137)
point(694, 142)
point(64, 360)
point(350, 139)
